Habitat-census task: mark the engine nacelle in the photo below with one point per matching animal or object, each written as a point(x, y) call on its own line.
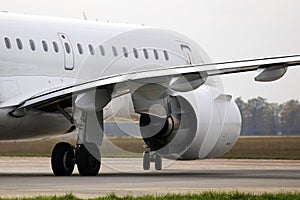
point(203, 123)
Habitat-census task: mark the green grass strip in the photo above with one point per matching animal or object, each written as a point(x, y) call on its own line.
point(201, 196)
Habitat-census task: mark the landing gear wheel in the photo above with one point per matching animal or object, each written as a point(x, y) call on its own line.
point(146, 160)
point(63, 159)
point(158, 162)
point(87, 164)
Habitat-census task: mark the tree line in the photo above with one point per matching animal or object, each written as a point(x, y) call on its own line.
point(263, 118)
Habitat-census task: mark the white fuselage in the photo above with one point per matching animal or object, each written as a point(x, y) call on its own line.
point(30, 64)
point(40, 54)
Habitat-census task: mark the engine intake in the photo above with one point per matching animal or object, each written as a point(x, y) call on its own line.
point(200, 124)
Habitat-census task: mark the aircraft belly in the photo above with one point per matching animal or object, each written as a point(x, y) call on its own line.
point(33, 125)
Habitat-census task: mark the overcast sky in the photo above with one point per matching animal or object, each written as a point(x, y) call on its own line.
point(226, 29)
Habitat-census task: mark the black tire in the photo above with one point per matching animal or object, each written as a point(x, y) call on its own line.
point(158, 162)
point(87, 164)
point(62, 159)
point(146, 160)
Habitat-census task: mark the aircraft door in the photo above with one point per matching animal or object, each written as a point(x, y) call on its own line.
point(187, 52)
point(68, 51)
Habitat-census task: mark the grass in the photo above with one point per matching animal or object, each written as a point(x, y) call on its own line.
point(266, 148)
point(201, 196)
point(285, 147)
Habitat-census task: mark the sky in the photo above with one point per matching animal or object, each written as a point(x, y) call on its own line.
point(226, 29)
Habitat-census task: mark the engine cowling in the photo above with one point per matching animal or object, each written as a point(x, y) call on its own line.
point(203, 123)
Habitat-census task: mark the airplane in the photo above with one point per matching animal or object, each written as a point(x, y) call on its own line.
point(61, 75)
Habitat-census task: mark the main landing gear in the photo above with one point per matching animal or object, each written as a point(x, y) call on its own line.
point(151, 156)
point(65, 156)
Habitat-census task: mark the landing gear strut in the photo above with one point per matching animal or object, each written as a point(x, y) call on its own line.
point(151, 156)
point(65, 156)
point(88, 119)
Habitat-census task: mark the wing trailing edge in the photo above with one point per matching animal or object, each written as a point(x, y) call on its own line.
point(269, 69)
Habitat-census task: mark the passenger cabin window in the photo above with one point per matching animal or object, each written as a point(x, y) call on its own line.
point(68, 48)
point(166, 55)
point(136, 53)
point(45, 46)
point(55, 47)
point(19, 43)
point(115, 52)
point(32, 45)
point(102, 51)
point(125, 52)
point(79, 47)
point(146, 54)
point(91, 48)
point(7, 43)
point(155, 54)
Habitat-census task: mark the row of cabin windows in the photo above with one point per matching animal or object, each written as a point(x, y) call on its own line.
point(32, 45)
point(125, 52)
point(91, 48)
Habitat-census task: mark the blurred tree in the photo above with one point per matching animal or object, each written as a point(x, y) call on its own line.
point(290, 117)
point(271, 119)
point(262, 118)
point(243, 107)
point(257, 116)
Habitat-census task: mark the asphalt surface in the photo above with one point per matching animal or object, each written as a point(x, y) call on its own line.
point(33, 176)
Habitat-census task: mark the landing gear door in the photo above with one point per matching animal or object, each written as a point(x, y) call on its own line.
point(187, 52)
point(68, 51)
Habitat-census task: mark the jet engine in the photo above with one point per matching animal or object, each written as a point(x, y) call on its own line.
point(197, 124)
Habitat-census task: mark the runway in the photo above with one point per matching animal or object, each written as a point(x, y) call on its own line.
point(32, 176)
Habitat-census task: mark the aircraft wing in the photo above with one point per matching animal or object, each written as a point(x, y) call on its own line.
point(268, 69)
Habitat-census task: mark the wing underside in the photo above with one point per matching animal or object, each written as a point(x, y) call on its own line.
point(268, 69)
